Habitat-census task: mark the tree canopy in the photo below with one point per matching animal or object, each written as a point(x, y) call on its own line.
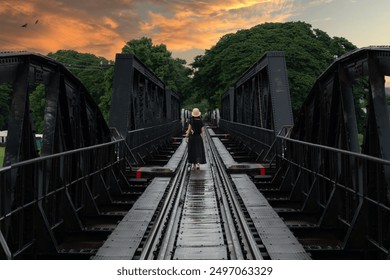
point(5, 104)
point(172, 71)
point(308, 53)
point(94, 72)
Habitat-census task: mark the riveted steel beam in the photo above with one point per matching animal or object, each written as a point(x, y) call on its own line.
point(141, 101)
point(261, 96)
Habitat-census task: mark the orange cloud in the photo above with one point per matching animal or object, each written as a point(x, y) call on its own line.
point(58, 27)
point(110, 23)
point(70, 33)
point(103, 27)
point(200, 25)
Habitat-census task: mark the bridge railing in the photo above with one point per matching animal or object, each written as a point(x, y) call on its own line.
point(43, 198)
point(347, 190)
point(144, 141)
point(342, 191)
point(258, 140)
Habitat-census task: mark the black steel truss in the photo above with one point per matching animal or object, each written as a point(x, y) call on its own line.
point(72, 119)
point(330, 113)
point(82, 166)
point(44, 194)
point(143, 110)
point(54, 194)
point(140, 99)
point(261, 96)
point(337, 181)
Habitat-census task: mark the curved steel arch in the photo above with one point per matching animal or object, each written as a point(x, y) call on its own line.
point(32, 197)
point(328, 115)
point(71, 118)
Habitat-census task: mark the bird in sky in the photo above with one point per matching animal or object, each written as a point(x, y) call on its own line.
point(24, 25)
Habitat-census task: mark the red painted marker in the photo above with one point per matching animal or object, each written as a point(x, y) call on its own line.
point(262, 170)
point(138, 174)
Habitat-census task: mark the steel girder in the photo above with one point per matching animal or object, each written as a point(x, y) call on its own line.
point(40, 191)
point(261, 95)
point(227, 105)
point(143, 110)
point(337, 172)
point(71, 118)
point(173, 105)
point(53, 196)
point(140, 99)
point(328, 116)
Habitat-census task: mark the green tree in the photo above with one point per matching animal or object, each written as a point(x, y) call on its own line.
point(172, 71)
point(105, 100)
point(5, 103)
point(93, 71)
point(308, 53)
point(37, 107)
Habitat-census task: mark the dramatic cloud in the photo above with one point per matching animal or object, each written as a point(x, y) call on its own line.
point(198, 24)
point(187, 27)
point(98, 27)
point(102, 27)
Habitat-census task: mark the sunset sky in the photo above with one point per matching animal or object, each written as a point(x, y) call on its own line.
point(187, 27)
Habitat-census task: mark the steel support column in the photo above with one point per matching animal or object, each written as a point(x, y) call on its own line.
point(381, 114)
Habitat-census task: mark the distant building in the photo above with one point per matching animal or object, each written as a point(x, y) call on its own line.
point(3, 136)
point(4, 133)
point(38, 141)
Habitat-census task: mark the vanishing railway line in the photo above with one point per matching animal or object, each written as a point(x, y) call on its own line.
point(203, 216)
point(201, 219)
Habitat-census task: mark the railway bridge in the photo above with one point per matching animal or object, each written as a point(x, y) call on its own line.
point(317, 187)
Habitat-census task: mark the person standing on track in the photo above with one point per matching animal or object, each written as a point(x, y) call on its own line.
point(194, 138)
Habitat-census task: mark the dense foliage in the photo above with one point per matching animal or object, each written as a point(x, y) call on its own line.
point(5, 104)
point(37, 107)
point(94, 72)
point(308, 53)
point(2, 152)
point(157, 58)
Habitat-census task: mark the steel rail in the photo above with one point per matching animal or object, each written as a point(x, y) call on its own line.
point(232, 238)
point(231, 235)
point(236, 207)
point(168, 242)
point(161, 240)
point(157, 231)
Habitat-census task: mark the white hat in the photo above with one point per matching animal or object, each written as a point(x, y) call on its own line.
point(195, 112)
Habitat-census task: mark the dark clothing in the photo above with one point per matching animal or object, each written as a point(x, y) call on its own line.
point(196, 152)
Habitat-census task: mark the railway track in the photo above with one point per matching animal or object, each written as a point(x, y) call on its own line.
point(202, 214)
point(202, 217)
